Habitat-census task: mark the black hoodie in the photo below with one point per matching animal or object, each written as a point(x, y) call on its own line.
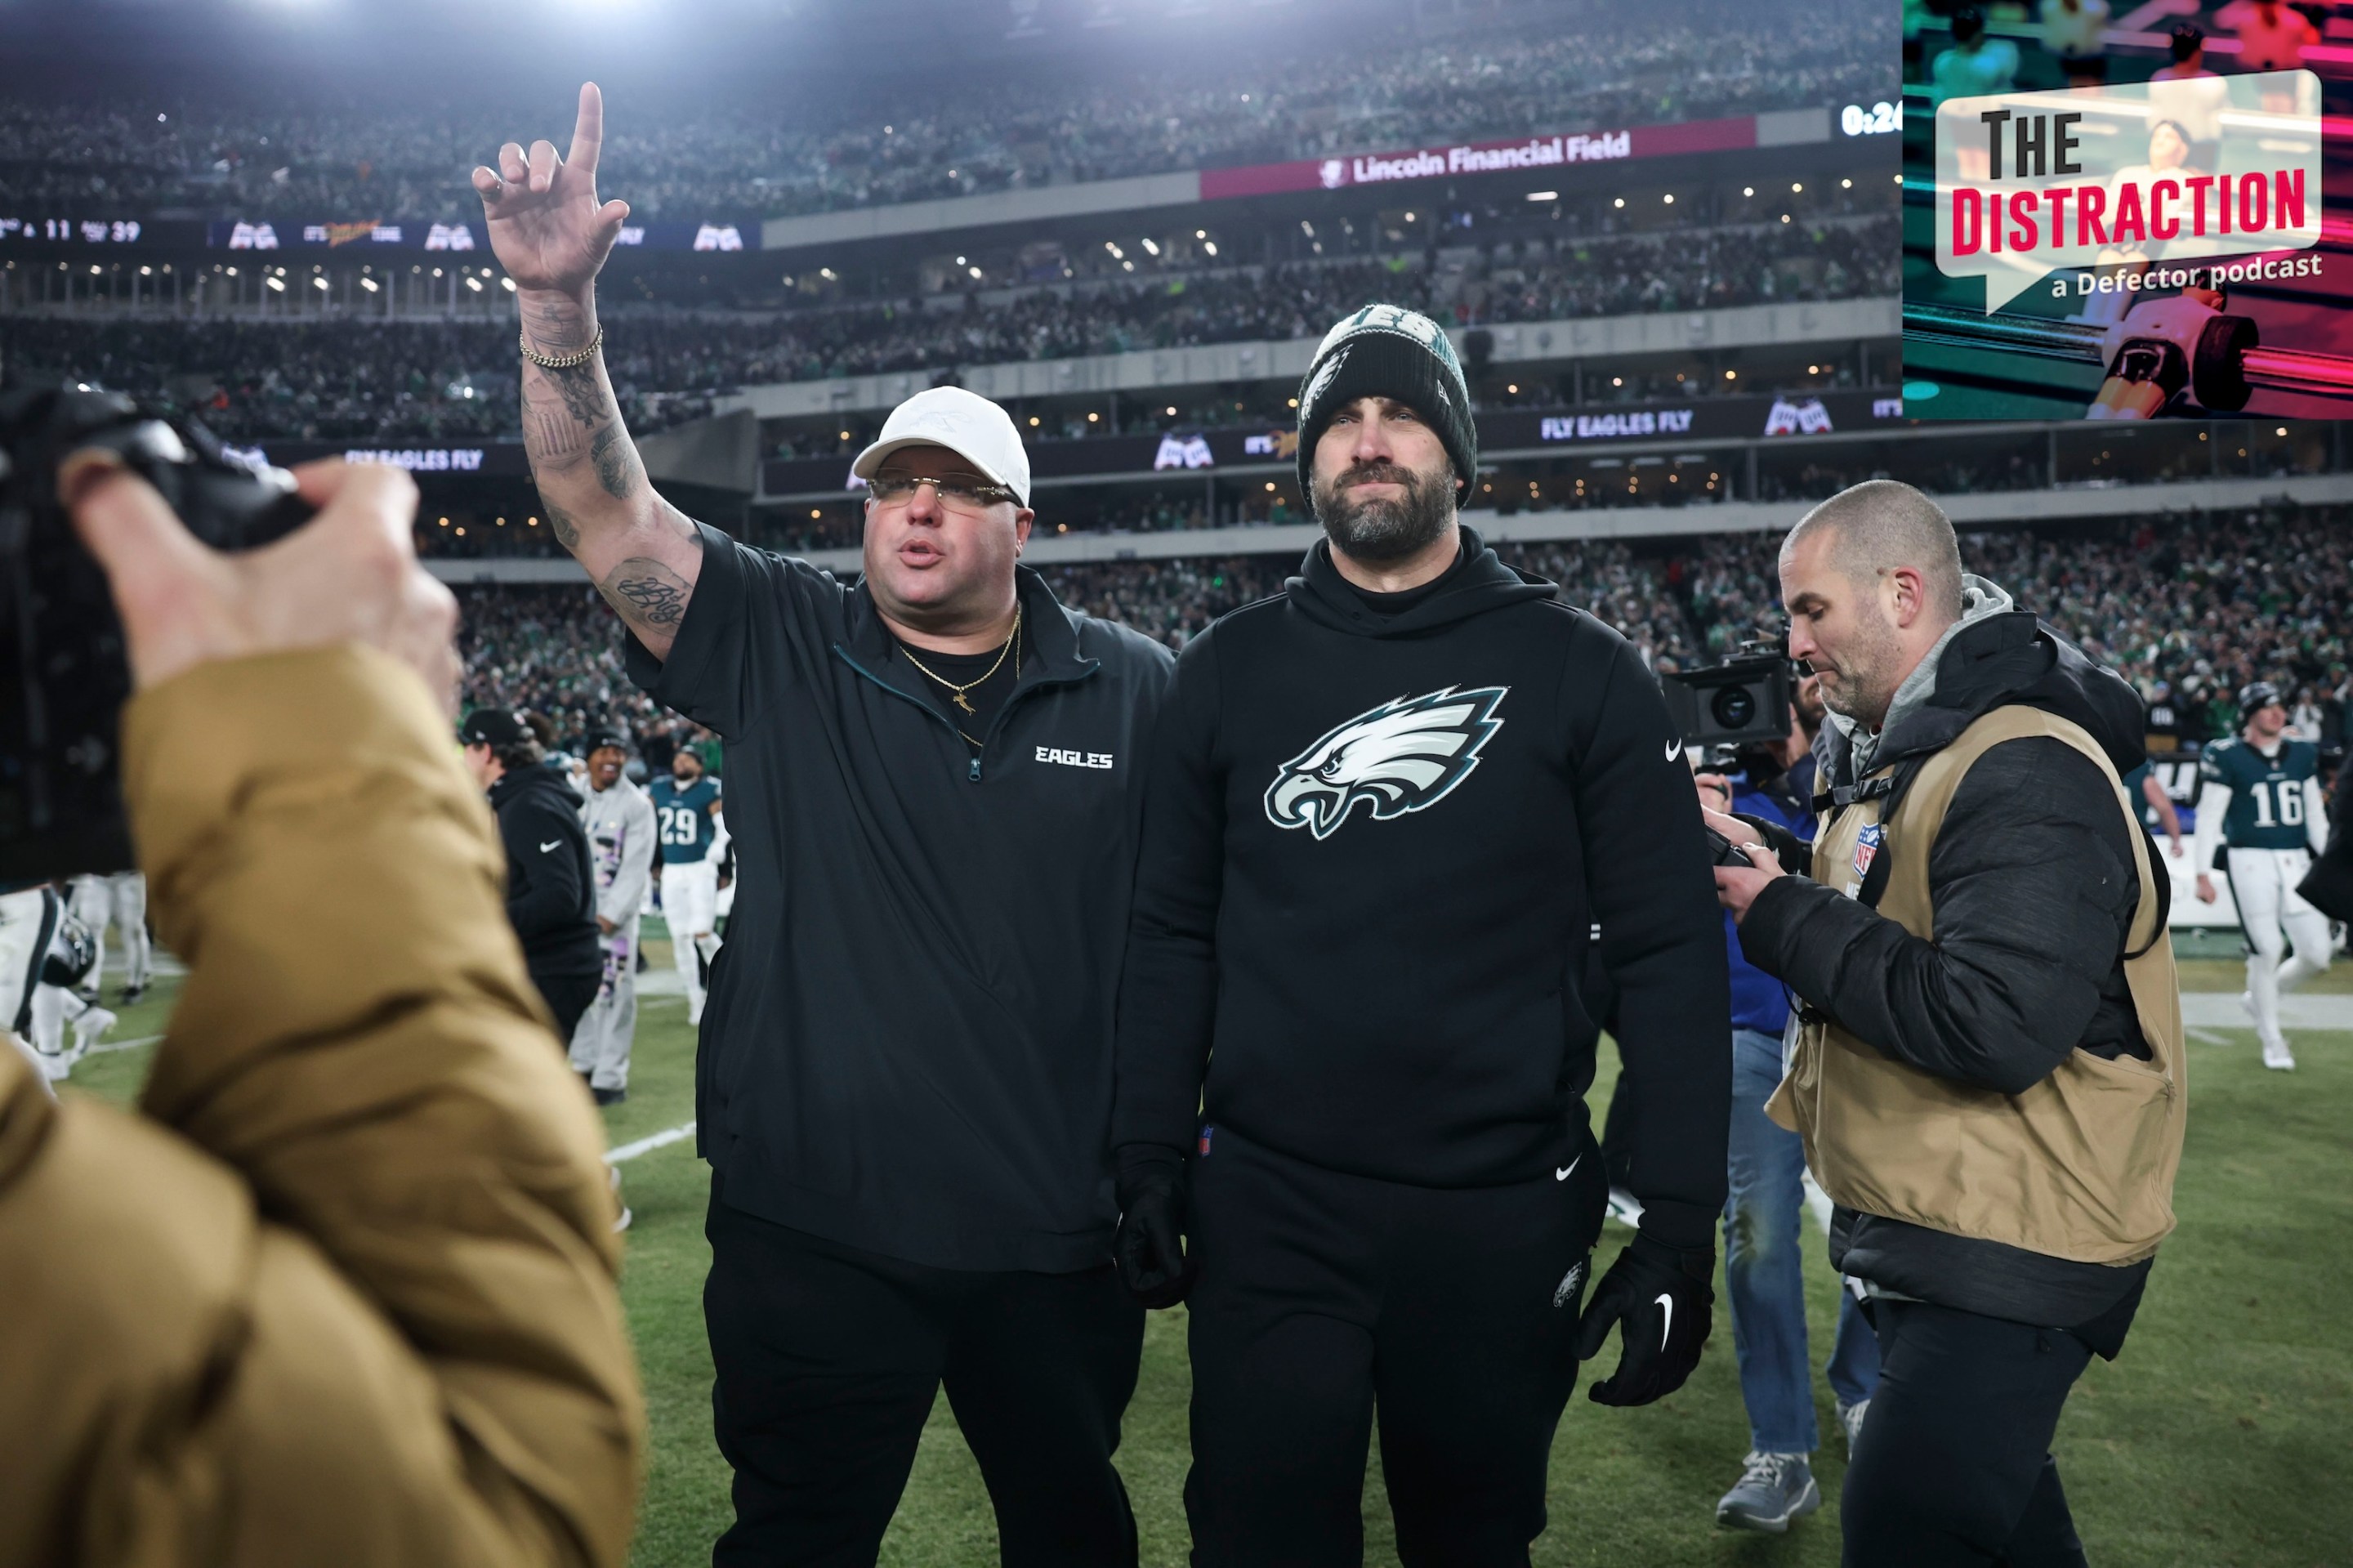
point(1376, 843)
point(551, 896)
point(2034, 887)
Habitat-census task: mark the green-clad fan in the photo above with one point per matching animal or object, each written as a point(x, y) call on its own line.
point(2259, 797)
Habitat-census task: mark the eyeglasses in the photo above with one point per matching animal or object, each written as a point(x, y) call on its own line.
point(958, 494)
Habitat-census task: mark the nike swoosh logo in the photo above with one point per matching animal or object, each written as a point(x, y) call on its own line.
point(1674, 749)
point(1668, 1302)
point(549, 845)
point(1562, 1174)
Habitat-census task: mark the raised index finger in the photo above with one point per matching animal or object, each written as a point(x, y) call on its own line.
point(588, 132)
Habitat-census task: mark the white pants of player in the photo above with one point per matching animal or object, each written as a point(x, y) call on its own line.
point(2275, 915)
point(122, 898)
point(690, 905)
point(601, 1041)
point(25, 922)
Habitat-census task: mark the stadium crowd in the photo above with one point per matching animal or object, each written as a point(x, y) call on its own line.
point(440, 379)
point(219, 150)
point(2187, 608)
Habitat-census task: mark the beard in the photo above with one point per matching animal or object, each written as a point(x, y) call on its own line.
point(1859, 688)
point(1384, 529)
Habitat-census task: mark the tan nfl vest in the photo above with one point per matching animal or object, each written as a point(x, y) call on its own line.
point(2080, 1166)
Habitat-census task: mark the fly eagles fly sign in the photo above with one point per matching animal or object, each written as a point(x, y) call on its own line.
point(2196, 182)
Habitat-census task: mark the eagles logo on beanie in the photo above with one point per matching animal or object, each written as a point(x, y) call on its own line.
point(1387, 351)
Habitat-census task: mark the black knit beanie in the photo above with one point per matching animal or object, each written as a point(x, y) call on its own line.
point(1387, 351)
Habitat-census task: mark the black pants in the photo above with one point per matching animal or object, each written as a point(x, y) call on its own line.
point(828, 1360)
point(567, 997)
point(1321, 1295)
point(1954, 1466)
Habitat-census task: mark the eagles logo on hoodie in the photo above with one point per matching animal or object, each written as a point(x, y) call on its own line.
point(1403, 755)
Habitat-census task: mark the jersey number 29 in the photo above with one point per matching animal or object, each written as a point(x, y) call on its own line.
point(678, 826)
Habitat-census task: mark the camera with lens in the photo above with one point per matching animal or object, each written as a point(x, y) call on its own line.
point(1740, 701)
point(63, 675)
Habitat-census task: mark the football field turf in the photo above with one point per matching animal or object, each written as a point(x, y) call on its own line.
point(2222, 1436)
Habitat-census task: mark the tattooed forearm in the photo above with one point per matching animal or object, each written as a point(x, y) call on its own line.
point(617, 469)
point(567, 532)
point(649, 595)
point(555, 324)
point(585, 397)
point(552, 437)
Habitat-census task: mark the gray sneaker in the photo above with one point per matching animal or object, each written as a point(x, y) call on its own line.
point(1774, 1489)
point(1850, 1420)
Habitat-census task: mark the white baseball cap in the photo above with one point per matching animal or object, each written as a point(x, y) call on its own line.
point(967, 424)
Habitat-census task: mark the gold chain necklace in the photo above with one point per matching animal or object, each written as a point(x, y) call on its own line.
point(956, 692)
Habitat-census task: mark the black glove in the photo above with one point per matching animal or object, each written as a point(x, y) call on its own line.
point(1150, 1246)
point(1660, 1298)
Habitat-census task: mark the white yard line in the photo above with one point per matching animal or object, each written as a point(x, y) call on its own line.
point(661, 1139)
point(2207, 1037)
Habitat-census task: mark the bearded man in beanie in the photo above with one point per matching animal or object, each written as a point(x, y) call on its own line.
point(1387, 810)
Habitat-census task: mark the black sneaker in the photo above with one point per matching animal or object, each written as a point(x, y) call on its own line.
point(610, 1096)
point(131, 993)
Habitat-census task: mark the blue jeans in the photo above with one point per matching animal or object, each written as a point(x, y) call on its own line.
point(1762, 1268)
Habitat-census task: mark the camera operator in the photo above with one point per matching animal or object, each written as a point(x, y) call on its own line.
point(1762, 1272)
point(344, 1292)
point(1998, 1113)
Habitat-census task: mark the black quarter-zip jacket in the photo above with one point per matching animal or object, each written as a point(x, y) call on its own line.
point(907, 1046)
point(1375, 847)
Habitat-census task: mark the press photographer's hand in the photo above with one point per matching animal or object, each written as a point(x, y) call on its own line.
point(1736, 888)
point(545, 225)
point(349, 575)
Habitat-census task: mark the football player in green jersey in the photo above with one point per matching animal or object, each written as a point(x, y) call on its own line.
point(2260, 799)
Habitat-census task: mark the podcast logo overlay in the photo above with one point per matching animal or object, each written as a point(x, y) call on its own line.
point(2150, 185)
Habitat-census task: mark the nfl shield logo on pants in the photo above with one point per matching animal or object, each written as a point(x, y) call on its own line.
point(1866, 848)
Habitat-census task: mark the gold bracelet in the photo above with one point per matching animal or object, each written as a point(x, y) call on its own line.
point(566, 361)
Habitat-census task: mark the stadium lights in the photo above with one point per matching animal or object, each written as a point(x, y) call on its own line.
point(1671, 198)
point(368, 284)
point(1544, 196)
point(232, 271)
point(531, 522)
point(973, 270)
point(959, 260)
point(1408, 217)
point(1795, 186)
point(437, 271)
point(1200, 234)
point(1270, 484)
point(1033, 421)
point(1732, 376)
point(1128, 266)
point(320, 284)
point(828, 274)
point(1785, 217)
point(1172, 414)
point(1116, 253)
point(473, 283)
point(1846, 184)
point(503, 521)
point(815, 511)
point(1617, 381)
point(146, 272)
point(1150, 249)
point(1295, 402)
point(275, 284)
point(1093, 418)
point(1513, 390)
point(1211, 247)
point(1307, 229)
point(1620, 202)
point(445, 522)
point(2280, 432)
point(1748, 190)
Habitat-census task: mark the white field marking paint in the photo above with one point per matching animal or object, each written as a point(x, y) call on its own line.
point(2206, 1037)
point(646, 1145)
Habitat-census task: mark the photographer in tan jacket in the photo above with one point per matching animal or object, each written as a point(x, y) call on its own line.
point(343, 1291)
